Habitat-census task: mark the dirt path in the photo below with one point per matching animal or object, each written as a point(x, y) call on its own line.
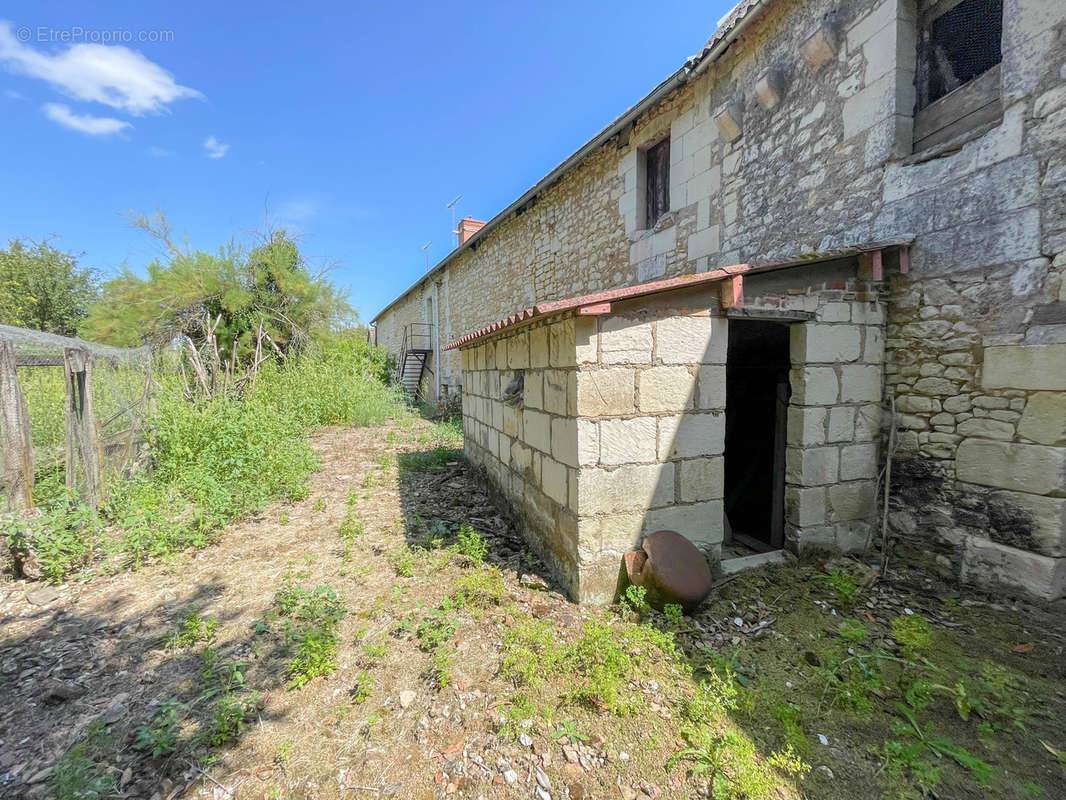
point(77, 653)
point(87, 662)
point(451, 679)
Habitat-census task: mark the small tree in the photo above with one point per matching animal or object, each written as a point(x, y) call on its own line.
point(222, 297)
point(43, 287)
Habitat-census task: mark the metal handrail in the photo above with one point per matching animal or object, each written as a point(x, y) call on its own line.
point(416, 336)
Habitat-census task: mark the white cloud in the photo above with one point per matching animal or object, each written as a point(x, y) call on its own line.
point(215, 148)
point(83, 123)
point(159, 152)
point(12, 94)
point(115, 76)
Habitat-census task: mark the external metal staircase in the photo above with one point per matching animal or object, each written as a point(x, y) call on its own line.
point(415, 349)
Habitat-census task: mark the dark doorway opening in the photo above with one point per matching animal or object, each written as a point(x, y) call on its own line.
point(757, 394)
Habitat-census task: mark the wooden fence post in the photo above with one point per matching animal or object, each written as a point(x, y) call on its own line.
point(83, 435)
point(17, 455)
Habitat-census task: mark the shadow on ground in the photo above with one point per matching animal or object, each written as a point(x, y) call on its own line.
point(94, 701)
point(440, 492)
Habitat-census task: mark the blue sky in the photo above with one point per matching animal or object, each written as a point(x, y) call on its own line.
point(350, 123)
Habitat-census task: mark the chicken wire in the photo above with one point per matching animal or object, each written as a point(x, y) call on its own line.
point(120, 383)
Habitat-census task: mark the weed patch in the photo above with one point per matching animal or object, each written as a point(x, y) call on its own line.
point(212, 462)
point(479, 590)
point(471, 544)
point(434, 460)
point(733, 766)
point(845, 587)
point(309, 629)
point(193, 629)
point(83, 774)
point(403, 562)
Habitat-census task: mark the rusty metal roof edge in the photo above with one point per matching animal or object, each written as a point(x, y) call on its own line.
point(623, 293)
point(671, 284)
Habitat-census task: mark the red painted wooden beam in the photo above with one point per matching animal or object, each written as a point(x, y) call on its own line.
point(731, 292)
point(877, 266)
point(593, 309)
point(904, 259)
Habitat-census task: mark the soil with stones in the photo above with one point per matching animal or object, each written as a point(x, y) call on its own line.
point(85, 670)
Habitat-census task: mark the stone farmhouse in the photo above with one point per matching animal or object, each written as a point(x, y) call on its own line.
point(833, 240)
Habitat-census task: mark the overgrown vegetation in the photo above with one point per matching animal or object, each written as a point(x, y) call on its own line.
point(268, 283)
point(193, 629)
point(83, 774)
point(774, 689)
point(895, 688)
point(220, 447)
point(212, 462)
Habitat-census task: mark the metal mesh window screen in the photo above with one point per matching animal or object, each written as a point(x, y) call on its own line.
point(957, 45)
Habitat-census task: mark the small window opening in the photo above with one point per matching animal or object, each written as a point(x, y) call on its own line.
point(657, 191)
point(957, 75)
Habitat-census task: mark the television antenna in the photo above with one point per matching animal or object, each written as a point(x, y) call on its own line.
point(425, 249)
point(452, 205)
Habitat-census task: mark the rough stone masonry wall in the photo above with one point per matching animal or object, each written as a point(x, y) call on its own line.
point(825, 162)
point(997, 414)
point(529, 450)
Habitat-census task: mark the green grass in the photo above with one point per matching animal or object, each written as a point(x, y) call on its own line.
point(212, 463)
point(434, 460)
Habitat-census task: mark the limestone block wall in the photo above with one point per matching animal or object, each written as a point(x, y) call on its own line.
point(529, 447)
point(651, 433)
point(834, 421)
point(621, 429)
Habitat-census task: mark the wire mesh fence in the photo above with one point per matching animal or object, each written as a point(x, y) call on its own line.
point(72, 414)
